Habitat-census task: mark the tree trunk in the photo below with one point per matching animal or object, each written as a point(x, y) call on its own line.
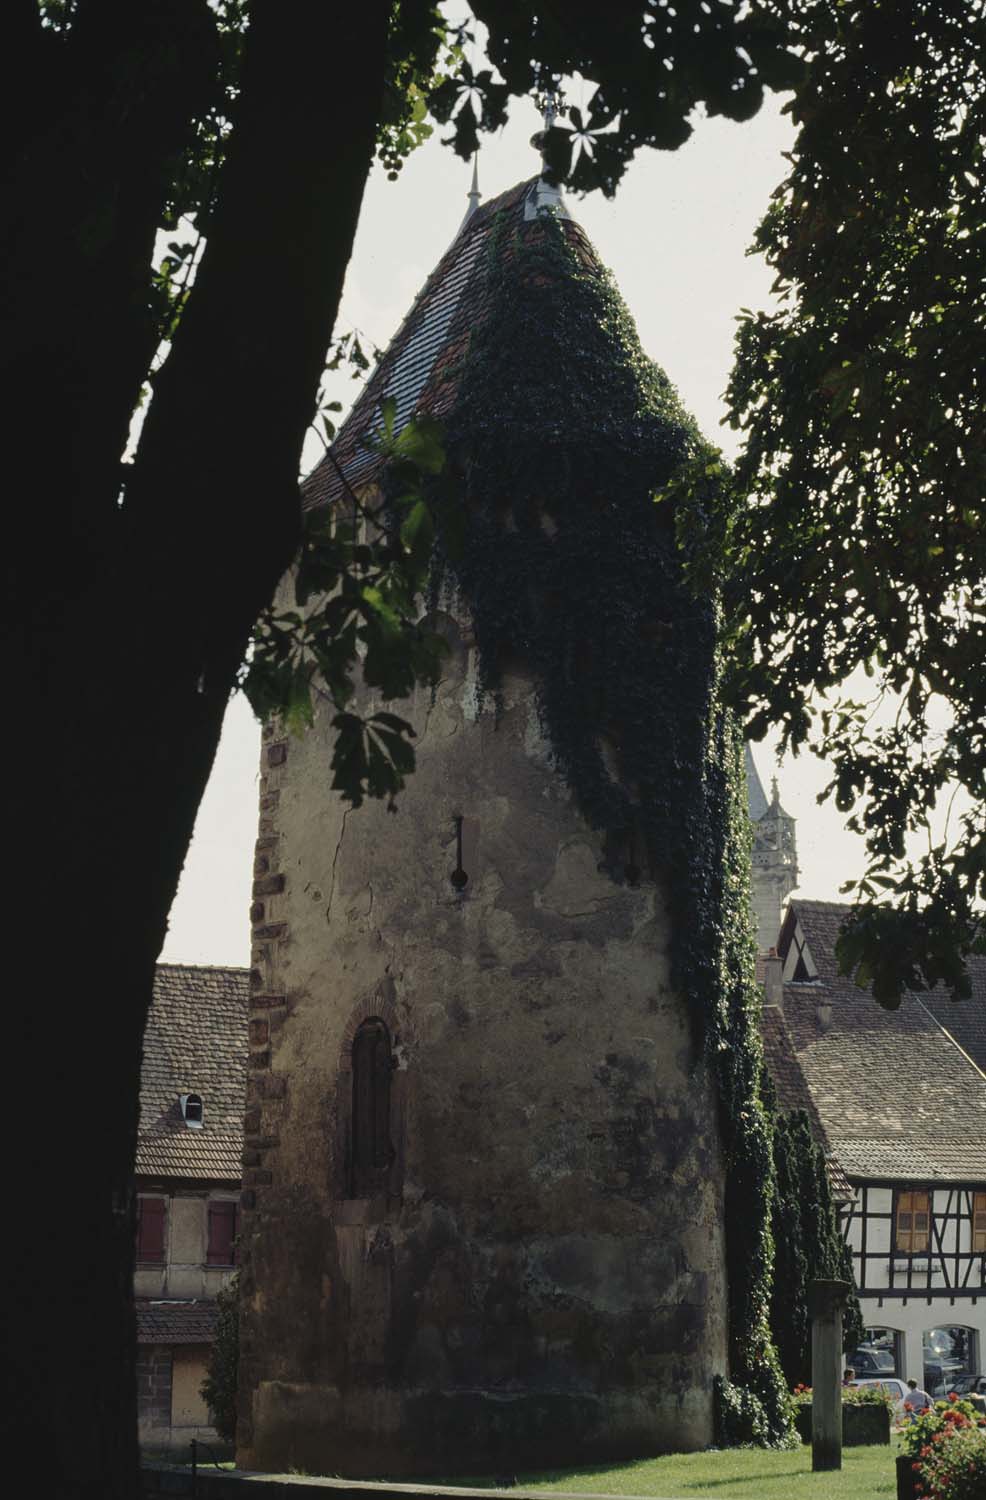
point(124, 628)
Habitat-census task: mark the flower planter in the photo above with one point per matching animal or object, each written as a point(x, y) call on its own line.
point(865, 1425)
point(862, 1425)
point(906, 1478)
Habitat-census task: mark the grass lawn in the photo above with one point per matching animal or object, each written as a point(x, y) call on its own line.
point(733, 1474)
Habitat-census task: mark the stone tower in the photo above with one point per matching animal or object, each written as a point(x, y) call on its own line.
point(484, 1222)
point(774, 873)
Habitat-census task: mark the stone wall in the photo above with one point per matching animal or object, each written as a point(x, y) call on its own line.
point(538, 1276)
point(154, 1393)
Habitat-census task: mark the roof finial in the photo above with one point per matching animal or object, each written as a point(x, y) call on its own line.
point(474, 193)
point(545, 194)
point(550, 102)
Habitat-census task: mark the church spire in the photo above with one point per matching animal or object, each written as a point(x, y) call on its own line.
point(774, 872)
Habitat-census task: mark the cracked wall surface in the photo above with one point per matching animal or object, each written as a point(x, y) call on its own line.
point(541, 1279)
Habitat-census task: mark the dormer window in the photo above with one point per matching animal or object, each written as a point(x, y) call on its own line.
point(191, 1110)
point(799, 966)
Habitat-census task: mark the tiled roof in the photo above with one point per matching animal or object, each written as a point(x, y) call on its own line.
point(175, 1322)
point(420, 366)
point(793, 1092)
point(914, 1161)
point(897, 1098)
point(195, 1043)
point(965, 1019)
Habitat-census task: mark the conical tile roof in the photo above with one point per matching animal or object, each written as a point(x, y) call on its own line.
point(420, 366)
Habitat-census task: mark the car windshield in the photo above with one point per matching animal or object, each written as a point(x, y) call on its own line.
point(873, 1359)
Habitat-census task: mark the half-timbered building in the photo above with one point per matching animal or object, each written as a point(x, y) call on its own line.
point(900, 1104)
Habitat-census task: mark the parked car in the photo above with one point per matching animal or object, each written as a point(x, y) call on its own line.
point(894, 1387)
point(966, 1385)
point(940, 1376)
point(868, 1360)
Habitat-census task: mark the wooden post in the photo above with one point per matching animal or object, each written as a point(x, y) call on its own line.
point(826, 1299)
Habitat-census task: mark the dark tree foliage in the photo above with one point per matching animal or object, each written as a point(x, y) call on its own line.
point(130, 589)
point(807, 1246)
point(652, 64)
point(855, 534)
point(567, 566)
point(219, 1385)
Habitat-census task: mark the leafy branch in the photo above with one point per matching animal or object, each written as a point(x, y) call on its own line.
point(356, 585)
point(851, 538)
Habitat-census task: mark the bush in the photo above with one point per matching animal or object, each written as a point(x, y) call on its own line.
point(741, 1419)
point(938, 1422)
point(947, 1444)
point(808, 1245)
point(852, 1395)
point(219, 1386)
point(955, 1468)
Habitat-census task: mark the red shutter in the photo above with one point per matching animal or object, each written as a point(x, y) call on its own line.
point(222, 1233)
point(150, 1230)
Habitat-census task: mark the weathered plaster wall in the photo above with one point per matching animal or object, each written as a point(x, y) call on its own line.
point(189, 1368)
point(183, 1273)
point(545, 1282)
point(170, 1409)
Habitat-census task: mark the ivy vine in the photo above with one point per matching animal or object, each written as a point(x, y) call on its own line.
point(561, 434)
point(809, 1246)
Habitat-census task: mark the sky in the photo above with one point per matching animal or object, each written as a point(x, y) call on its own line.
point(675, 237)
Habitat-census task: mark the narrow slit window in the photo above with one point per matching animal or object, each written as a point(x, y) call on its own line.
point(372, 1148)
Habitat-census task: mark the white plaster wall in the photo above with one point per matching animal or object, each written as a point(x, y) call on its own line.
point(956, 1235)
